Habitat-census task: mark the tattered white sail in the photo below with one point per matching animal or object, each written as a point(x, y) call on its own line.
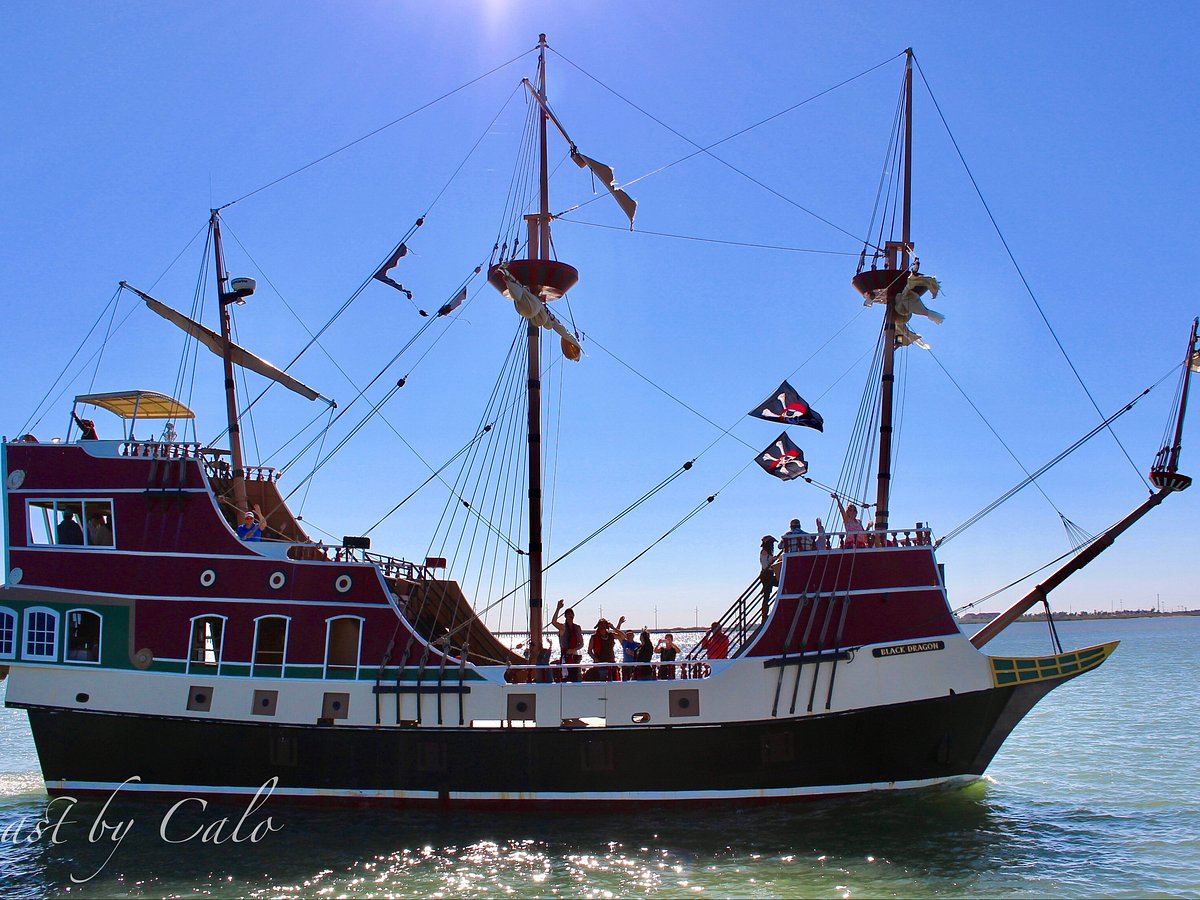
point(600, 170)
point(909, 303)
point(605, 175)
point(240, 355)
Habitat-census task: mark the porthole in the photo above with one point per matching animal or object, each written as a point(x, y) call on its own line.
point(640, 718)
point(343, 583)
point(208, 578)
point(16, 478)
point(277, 580)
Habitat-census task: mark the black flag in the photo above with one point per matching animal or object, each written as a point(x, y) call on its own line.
point(786, 406)
point(382, 275)
point(783, 459)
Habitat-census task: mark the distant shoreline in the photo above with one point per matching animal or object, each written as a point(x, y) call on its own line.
point(984, 618)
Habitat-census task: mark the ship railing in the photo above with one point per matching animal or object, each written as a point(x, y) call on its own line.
point(389, 566)
point(593, 672)
point(217, 466)
point(160, 449)
point(918, 536)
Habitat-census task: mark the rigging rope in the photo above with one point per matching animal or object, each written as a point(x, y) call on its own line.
point(1021, 274)
point(707, 150)
point(378, 130)
point(1106, 424)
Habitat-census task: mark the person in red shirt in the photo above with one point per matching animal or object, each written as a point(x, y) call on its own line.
point(570, 639)
point(715, 643)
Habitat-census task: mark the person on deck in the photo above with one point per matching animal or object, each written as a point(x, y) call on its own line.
point(715, 643)
point(766, 573)
point(796, 538)
point(602, 650)
point(645, 656)
point(667, 651)
point(69, 531)
point(570, 640)
point(629, 652)
point(250, 529)
point(856, 535)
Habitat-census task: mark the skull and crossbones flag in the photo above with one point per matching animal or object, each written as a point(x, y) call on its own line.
point(783, 459)
point(786, 406)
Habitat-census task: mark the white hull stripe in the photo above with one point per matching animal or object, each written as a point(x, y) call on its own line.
point(506, 796)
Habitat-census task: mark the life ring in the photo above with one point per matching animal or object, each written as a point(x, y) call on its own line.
point(208, 578)
point(343, 583)
point(277, 580)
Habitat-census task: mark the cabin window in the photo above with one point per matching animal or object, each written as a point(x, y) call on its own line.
point(77, 523)
point(8, 634)
point(83, 636)
point(41, 634)
point(342, 645)
point(270, 645)
point(207, 634)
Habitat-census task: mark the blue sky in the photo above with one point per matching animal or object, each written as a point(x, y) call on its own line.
point(126, 122)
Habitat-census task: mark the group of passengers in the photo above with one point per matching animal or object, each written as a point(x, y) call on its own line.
point(637, 653)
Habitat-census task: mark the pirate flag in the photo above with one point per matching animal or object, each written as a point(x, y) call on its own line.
point(786, 406)
point(783, 459)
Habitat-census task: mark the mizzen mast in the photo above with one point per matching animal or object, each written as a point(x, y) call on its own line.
point(224, 298)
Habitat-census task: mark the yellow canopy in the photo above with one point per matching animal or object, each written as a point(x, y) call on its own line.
point(138, 405)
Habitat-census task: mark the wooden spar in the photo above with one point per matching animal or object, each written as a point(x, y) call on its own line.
point(224, 298)
point(1038, 594)
point(887, 379)
point(539, 248)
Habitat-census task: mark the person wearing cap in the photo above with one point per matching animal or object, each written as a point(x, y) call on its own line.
point(250, 529)
point(797, 538)
point(767, 573)
point(570, 640)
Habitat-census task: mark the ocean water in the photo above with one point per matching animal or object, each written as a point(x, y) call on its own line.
point(1095, 794)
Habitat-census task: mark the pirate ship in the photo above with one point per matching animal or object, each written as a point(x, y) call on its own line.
point(153, 648)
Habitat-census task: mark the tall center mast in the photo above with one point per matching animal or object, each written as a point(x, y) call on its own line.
point(883, 286)
point(538, 248)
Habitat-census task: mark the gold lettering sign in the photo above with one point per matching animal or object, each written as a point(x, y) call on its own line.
point(901, 649)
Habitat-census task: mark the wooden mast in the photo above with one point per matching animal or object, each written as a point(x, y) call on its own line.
point(888, 377)
point(539, 248)
point(224, 298)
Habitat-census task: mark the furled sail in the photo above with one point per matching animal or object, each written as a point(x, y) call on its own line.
point(240, 355)
point(530, 307)
point(909, 303)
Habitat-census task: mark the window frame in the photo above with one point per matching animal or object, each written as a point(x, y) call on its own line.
point(99, 637)
point(200, 667)
point(49, 508)
point(282, 664)
point(5, 612)
point(27, 631)
point(358, 648)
